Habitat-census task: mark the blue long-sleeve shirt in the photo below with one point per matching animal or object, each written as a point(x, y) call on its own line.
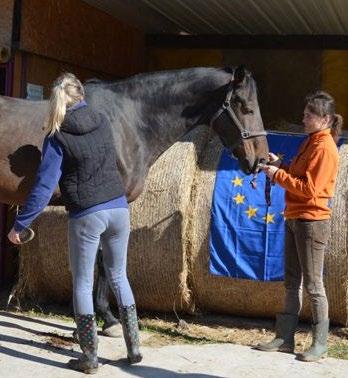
point(47, 179)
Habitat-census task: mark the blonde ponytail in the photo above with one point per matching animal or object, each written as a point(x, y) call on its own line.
point(66, 91)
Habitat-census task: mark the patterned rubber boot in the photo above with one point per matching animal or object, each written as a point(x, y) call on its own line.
point(284, 340)
point(87, 336)
point(318, 348)
point(129, 320)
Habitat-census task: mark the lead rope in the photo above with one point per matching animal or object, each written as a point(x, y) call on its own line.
point(268, 185)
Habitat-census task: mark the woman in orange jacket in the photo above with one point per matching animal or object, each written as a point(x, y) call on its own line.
point(309, 184)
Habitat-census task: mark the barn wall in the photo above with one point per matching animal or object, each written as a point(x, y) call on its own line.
point(166, 59)
point(72, 31)
point(6, 15)
point(43, 71)
point(335, 78)
point(284, 77)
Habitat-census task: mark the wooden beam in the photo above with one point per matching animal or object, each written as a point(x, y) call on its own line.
point(320, 42)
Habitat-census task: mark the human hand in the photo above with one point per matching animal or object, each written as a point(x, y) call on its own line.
point(269, 170)
point(14, 236)
point(274, 159)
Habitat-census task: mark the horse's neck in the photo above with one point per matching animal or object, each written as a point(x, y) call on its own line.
point(173, 106)
point(149, 113)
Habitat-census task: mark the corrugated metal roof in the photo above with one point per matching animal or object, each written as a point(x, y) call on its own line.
point(253, 17)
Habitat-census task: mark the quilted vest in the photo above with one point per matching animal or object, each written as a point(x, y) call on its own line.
point(89, 175)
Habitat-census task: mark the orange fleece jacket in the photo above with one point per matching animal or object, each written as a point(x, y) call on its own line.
point(310, 180)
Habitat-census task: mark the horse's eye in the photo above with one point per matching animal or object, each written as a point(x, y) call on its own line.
point(246, 110)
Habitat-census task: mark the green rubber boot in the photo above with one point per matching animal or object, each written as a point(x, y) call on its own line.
point(130, 327)
point(318, 348)
point(284, 340)
point(87, 336)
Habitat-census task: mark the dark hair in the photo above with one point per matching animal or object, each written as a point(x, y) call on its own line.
point(322, 104)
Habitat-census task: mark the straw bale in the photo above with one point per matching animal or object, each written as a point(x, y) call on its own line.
point(168, 260)
point(257, 298)
point(44, 274)
point(157, 260)
point(157, 250)
point(336, 263)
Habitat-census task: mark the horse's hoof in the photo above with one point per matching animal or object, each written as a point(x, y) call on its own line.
point(113, 331)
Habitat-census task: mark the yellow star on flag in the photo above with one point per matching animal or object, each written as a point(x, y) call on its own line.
point(269, 218)
point(238, 181)
point(251, 212)
point(239, 199)
point(281, 156)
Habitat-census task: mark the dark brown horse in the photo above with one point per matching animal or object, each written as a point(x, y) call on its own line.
point(148, 113)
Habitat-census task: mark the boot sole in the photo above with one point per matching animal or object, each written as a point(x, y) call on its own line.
point(135, 359)
point(311, 359)
point(74, 366)
point(282, 350)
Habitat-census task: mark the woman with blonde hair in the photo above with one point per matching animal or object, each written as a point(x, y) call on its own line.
point(79, 155)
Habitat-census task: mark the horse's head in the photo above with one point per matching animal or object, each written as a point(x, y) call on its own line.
point(239, 124)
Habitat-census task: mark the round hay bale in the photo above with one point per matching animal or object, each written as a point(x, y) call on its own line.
point(336, 263)
point(168, 261)
point(44, 274)
point(157, 259)
point(257, 298)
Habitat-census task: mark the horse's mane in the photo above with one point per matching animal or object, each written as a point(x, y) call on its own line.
point(174, 76)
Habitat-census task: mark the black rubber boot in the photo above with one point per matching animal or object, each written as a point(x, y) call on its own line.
point(284, 340)
point(318, 348)
point(87, 335)
point(129, 320)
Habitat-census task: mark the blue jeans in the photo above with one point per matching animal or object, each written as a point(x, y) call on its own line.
point(112, 228)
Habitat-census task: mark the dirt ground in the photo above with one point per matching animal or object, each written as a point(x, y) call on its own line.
point(171, 328)
point(210, 328)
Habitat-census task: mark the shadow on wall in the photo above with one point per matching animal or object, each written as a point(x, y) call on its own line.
point(24, 163)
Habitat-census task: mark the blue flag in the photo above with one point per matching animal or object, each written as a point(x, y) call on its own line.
point(247, 235)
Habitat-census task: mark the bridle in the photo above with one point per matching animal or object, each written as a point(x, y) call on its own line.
point(226, 107)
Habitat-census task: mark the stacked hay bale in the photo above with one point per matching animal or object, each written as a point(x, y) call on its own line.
point(168, 262)
point(158, 255)
point(257, 298)
point(216, 293)
point(157, 260)
point(336, 262)
point(44, 274)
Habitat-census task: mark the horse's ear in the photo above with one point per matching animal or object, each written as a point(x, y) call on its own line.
point(239, 74)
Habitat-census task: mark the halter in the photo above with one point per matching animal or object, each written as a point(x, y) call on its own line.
point(226, 106)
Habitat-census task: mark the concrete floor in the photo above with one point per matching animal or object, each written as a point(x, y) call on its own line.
point(26, 351)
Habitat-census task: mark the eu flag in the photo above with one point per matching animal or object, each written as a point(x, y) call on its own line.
point(247, 234)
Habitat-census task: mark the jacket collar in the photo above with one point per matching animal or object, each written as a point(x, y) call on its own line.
point(318, 134)
point(77, 105)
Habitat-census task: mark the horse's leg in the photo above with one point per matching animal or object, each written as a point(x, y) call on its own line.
point(101, 300)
